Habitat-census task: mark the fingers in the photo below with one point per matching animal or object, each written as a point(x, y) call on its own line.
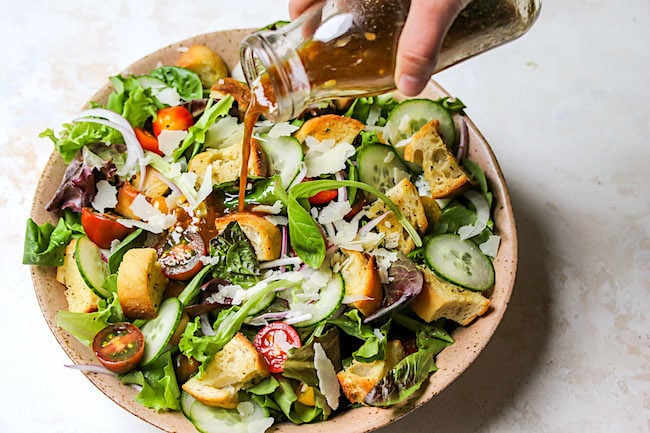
point(425, 28)
point(297, 7)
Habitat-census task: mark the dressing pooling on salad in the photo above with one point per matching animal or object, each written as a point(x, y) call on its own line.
point(329, 276)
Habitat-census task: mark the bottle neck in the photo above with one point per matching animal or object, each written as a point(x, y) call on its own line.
point(275, 74)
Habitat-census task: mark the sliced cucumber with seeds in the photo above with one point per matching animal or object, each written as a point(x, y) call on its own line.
point(329, 300)
point(380, 166)
point(284, 156)
point(159, 330)
point(459, 261)
point(91, 265)
point(410, 115)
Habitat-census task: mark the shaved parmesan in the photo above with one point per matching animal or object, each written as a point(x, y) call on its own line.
point(327, 381)
point(491, 246)
point(334, 211)
point(169, 140)
point(282, 129)
point(326, 157)
point(106, 196)
point(152, 219)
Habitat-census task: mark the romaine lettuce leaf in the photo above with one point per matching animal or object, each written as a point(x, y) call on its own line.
point(159, 386)
point(187, 83)
point(84, 326)
point(45, 244)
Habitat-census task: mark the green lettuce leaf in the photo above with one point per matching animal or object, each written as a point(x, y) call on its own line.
point(159, 386)
point(45, 244)
point(187, 83)
point(374, 346)
point(74, 136)
point(84, 326)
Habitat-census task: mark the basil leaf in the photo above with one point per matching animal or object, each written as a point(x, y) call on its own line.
point(234, 255)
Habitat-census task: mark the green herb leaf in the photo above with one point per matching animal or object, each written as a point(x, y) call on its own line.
point(45, 244)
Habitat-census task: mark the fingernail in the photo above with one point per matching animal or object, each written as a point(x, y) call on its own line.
point(410, 85)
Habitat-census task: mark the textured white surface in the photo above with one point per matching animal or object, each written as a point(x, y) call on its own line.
point(566, 111)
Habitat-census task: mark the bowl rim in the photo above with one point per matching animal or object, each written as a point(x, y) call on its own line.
point(473, 338)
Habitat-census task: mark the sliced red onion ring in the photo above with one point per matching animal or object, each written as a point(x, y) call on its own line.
point(91, 368)
point(342, 191)
point(302, 173)
point(285, 261)
point(482, 215)
point(135, 154)
point(463, 141)
point(206, 327)
point(371, 224)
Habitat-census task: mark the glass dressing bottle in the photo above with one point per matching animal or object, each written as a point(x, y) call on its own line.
point(347, 48)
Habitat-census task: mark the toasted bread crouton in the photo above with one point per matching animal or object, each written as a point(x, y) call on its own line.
point(341, 129)
point(80, 297)
point(152, 186)
point(234, 367)
point(360, 377)
point(440, 298)
point(140, 283)
point(229, 86)
point(405, 196)
point(262, 233)
point(205, 62)
point(441, 169)
point(362, 281)
point(226, 163)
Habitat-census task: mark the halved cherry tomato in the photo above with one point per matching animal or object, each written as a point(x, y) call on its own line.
point(180, 253)
point(102, 228)
point(177, 118)
point(119, 347)
point(323, 197)
point(274, 342)
point(147, 140)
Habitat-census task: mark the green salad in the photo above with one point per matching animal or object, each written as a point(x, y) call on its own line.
point(365, 238)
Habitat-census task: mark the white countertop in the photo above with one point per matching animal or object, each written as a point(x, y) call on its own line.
point(566, 110)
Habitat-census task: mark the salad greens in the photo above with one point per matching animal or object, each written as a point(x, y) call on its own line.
point(290, 269)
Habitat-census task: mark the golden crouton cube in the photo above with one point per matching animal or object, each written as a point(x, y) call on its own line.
point(140, 283)
point(441, 169)
point(341, 129)
point(405, 196)
point(233, 368)
point(362, 281)
point(264, 236)
point(209, 66)
point(80, 297)
point(441, 299)
point(226, 163)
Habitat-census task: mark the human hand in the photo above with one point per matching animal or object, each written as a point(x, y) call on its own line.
point(419, 45)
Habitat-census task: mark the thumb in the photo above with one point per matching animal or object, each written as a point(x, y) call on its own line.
point(426, 25)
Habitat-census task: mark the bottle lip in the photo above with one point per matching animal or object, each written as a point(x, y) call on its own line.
point(258, 57)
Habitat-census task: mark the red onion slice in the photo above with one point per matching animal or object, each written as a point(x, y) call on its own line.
point(463, 141)
point(91, 368)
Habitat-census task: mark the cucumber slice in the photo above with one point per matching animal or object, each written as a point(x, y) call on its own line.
point(92, 267)
point(284, 155)
point(248, 417)
point(380, 166)
point(331, 297)
point(160, 329)
point(459, 261)
point(410, 115)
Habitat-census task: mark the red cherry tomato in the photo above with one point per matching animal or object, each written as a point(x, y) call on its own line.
point(274, 342)
point(180, 254)
point(102, 228)
point(119, 347)
point(176, 118)
point(147, 140)
point(323, 197)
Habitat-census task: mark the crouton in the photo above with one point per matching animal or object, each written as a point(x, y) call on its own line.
point(362, 281)
point(226, 163)
point(441, 169)
point(406, 198)
point(152, 186)
point(360, 377)
point(341, 129)
point(233, 368)
point(140, 283)
point(235, 88)
point(262, 233)
point(209, 66)
point(441, 299)
point(80, 297)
